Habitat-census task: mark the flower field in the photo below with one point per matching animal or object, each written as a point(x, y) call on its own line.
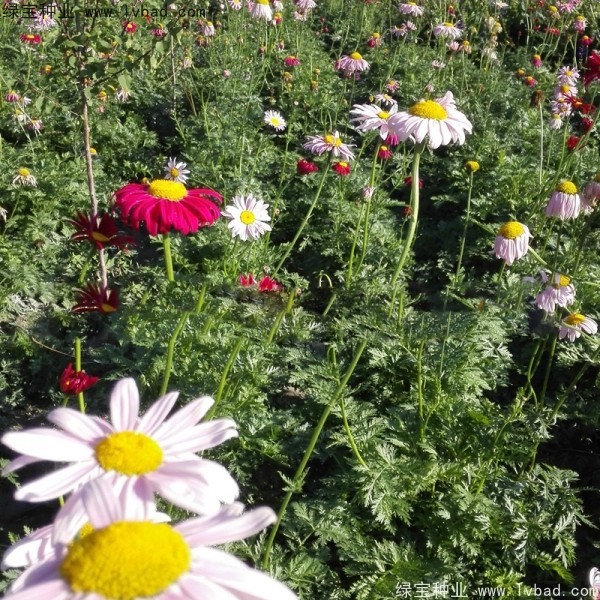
point(300, 299)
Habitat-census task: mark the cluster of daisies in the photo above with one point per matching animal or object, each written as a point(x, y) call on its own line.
point(110, 539)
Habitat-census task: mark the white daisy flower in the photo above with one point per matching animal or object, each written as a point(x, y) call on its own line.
point(176, 171)
point(24, 177)
point(249, 217)
point(262, 10)
point(275, 120)
point(371, 116)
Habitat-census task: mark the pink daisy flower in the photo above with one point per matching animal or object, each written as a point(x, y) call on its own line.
point(560, 292)
point(572, 326)
point(332, 142)
point(261, 9)
point(512, 242)
point(565, 202)
point(437, 120)
point(128, 555)
point(353, 63)
point(163, 205)
point(411, 8)
point(370, 116)
point(157, 453)
point(448, 30)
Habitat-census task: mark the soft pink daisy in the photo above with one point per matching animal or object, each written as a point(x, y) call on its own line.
point(448, 30)
point(572, 326)
point(437, 120)
point(332, 142)
point(512, 242)
point(565, 202)
point(158, 453)
point(128, 555)
point(353, 63)
point(560, 292)
point(305, 4)
point(411, 8)
point(370, 116)
point(262, 10)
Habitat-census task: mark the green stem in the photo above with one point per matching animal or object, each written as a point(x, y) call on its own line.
point(78, 368)
point(309, 450)
point(171, 350)
point(548, 369)
point(168, 258)
point(280, 317)
point(353, 248)
point(349, 433)
point(464, 235)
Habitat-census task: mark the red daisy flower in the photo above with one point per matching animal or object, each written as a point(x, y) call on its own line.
point(408, 181)
point(100, 231)
point(74, 382)
point(384, 153)
point(247, 280)
point(587, 124)
point(572, 142)
point(129, 27)
point(342, 168)
point(305, 167)
point(31, 38)
point(291, 61)
point(266, 284)
point(163, 204)
point(95, 298)
point(592, 68)
point(586, 40)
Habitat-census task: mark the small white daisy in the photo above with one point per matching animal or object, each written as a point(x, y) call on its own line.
point(248, 217)
point(176, 171)
point(275, 120)
point(24, 177)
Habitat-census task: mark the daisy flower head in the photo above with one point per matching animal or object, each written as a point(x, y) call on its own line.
point(572, 326)
point(176, 171)
point(437, 120)
point(291, 61)
point(369, 117)
point(411, 8)
point(448, 30)
point(154, 453)
point(560, 292)
point(386, 99)
point(74, 382)
point(126, 554)
point(163, 204)
point(332, 142)
point(591, 195)
point(24, 177)
point(565, 202)
point(568, 76)
point(352, 63)
point(262, 10)
point(12, 97)
point(274, 119)
point(512, 242)
point(268, 284)
point(101, 231)
point(248, 217)
point(96, 298)
point(306, 167)
point(305, 4)
point(384, 153)
point(31, 39)
point(342, 168)
point(235, 4)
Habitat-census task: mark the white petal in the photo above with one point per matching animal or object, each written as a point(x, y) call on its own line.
point(78, 424)
point(185, 417)
point(48, 444)
point(157, 413)
point(57, 483)
point(124, 405)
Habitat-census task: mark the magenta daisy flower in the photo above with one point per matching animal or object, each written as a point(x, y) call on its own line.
point(512, 242)
point(560, 292)
point(332, 142)
point(128, 555)
point(354, 63)
point(437, 120)
point(157, 453)
point(411, 8)
point(448, 30)
point(572, 326)
point(370, 116)
point(163, 205)
point(565, 202)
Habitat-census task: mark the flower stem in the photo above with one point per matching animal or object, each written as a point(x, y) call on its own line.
point(464, 235)
point(171, 350)
point(168, 258)
point(280, 317)
point(311, 446)
point(77, 369)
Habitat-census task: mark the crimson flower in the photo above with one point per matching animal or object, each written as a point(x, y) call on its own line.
point(342, 168)
point(163, 204)
point(100, 231)
point(408, 181)
point(247, 280)
point(30, 38)
point(95, 298)
point(592, 68)
point(587, 124)
point(572, 142)
point(305, 167)
point(129, 27)
point(266, 284)
point(74, 382)
point(384, 153)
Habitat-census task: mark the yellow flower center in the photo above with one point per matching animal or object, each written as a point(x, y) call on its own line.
point(99, 237)
point(412, 3)
point(107, 308)
point(126, 560)
point(563, 281)
point(383, 114)
point(274, 121)
point(343, 164)
point(247, 217)
point(537, 57)
point(129, 453)
point(167, 190)
point(580, 18)
point(565, 89)
point(332, 141)
point(86, 529)
point(356, 56)
point(174, 172)
point(448, 24)
point(553, 9)
point(567, 187)
point(23, 172)
point(428, 109)
point(375, 35)
point(473, 166)
point(263, 2)
point(466, 44)
point(511, 230)
point(575, 319)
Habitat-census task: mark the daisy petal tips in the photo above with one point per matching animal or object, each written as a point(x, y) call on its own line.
point(156, 452)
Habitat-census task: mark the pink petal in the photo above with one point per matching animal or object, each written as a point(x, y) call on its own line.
point(200, 437)
point(30, 550)
point(35, 577)
point(200, 587)
point(19, 463)
point(124, 405)
point(157, 413)
point(185, 417)
point(69, 520)
point(48, 444)
point(78, 425)
point(101, 503)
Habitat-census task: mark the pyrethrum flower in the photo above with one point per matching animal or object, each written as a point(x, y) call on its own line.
point(96, 298)
point(24, 177)
point(74, 382)
point(128, 555)
point(560, 292)
point(163, 205)
point(512, 242)
point(176, 171)
point(437, 120)
point(353, 63)
point(332, 142)
point(158, 453)
point(305, 167)
point(248, 217)
point(342, 168)
point(33, 39)
point(448, 30)
point(275, 120)
point(411, 8)
point(99, 230)
point(565, 202)
point(262, 10)
point(572, 326)
point(370, 117)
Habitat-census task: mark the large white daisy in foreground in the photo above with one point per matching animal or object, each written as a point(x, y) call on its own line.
point(437, 120)
point(248, 217)
point(157, 454)
point(126, 556)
